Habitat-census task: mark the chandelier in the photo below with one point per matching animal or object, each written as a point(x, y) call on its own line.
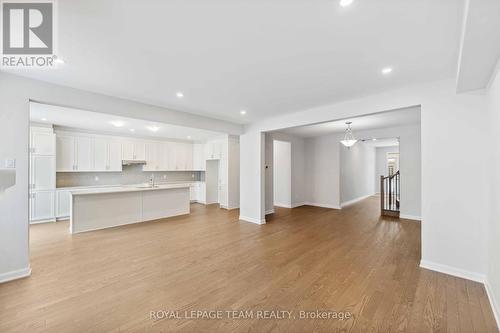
point(349, 139)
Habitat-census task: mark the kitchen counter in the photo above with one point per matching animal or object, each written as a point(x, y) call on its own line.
point(110, 206)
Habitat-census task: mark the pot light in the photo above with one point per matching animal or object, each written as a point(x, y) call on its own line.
point(132, 130)
point(44, 119)
point(374, 139)
point(243, 112)
point(386, 70)
point(189, 136)
point(179, 94)
point(349, 139)
point(117, 123)
point(153, 128)
point(345, 3)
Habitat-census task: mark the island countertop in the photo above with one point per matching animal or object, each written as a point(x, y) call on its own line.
point(128, 188)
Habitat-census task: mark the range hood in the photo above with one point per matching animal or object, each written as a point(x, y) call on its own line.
point(133, 162)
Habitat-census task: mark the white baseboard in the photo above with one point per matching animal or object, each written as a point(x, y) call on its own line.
point(495, 307)
point(298, 204)
point(14, 275)
point(322, 205)
point(229, 208)
point(270, 211)
point(252, 220)
point(410, 217)
point(350, 202)
point(283, 205)
point(453, 271)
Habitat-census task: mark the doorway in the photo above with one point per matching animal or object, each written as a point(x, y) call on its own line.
point(282, 173)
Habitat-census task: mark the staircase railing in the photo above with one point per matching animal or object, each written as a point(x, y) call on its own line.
point(390, 194)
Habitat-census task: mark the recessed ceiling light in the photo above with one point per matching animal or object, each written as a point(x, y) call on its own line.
point(44, 119)
point(243, 112)
point(179, 94)
point(374, 139)
point(386, 70)
point(189, 136)
point(345, 3)
point(132, 130)
point(153, 128)
point(117, 123)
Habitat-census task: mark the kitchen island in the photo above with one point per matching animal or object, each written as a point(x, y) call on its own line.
point(108, 207)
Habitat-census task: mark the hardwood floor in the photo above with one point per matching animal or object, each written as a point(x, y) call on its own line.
point(307, 258)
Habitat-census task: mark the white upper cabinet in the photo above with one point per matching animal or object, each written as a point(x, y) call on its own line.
point(84, 154)
point(101, 161)
point(65, 153)
point(114, 155)
point(107, 154)
point(153, 160)
point(134, 150)
point(198, 156)
point(213, 150)
point(43, 141)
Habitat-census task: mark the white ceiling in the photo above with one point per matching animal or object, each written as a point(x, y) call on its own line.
point(402, 117)
point(103, 123)
point(266, 56)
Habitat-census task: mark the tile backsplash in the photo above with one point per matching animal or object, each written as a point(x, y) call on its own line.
point(131, 174)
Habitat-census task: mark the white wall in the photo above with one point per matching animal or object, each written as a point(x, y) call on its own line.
point(381, 163)
point(298, 169)
point(493, 278)
point(357, 172)
point(282, 173)
point(15, 94)
point(454, 225)
point(322, 171)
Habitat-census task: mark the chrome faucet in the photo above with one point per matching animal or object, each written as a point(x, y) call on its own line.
point(152, 180)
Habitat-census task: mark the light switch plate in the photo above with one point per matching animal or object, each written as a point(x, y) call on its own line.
point(10, 163)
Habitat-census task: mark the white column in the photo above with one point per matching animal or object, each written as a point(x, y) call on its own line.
point(252, 181)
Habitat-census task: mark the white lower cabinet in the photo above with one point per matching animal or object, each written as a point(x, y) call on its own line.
point(42, 206)
point(197, 192)
point(63, 198)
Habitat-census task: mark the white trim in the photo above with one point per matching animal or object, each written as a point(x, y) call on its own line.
point(350, 202)
point(252, 220)
point(453, 271)
point(270, 211)
point(50, 220)
point(283, 205)
point(494, 305)
point(228, 208)
point(323, 205)
point(14, 275)
point(410, 217)
point(298, 204)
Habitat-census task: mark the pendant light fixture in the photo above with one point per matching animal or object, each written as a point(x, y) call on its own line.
point(349, 139)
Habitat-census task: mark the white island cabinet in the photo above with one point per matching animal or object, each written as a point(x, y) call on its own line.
point(100, 208)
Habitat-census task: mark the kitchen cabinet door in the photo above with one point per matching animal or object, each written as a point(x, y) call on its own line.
point(153, 156)
point(188, 156)
point(42, 205)
point(62, 203)
point(43, 172)
point(139, 150)
point(128, 150)
point(173, 155)
point(43, 143)
point(114, 155)
point(100, 150)
point(65, 155)
point(84, 153)
point(198, 157)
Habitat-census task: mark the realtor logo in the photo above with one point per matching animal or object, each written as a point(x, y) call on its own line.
point(28, 34)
